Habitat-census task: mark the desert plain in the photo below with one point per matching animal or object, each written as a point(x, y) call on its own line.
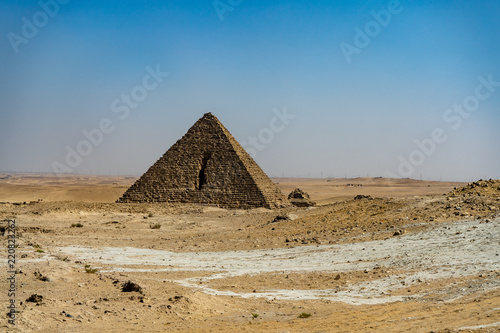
point(373, 255)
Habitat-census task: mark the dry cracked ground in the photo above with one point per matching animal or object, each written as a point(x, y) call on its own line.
point(404, 256)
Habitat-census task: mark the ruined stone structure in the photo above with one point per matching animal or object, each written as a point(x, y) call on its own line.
point(300, 198)
point(206, 166)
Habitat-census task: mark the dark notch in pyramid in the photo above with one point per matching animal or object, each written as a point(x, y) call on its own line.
point(206, 166)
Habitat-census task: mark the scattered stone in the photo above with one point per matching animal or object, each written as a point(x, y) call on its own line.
point(400, 232)
point(66, 314)
point(361, 196)
point(279, 218)
point(41, 277)
point(175, 299)
point(35, 298)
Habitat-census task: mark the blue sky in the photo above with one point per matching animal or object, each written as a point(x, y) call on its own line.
point(246, 61)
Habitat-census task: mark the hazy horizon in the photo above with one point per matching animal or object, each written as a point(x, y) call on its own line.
point(272, 177)
point(310, 89)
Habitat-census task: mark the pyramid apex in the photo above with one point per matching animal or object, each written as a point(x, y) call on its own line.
point(209, 116)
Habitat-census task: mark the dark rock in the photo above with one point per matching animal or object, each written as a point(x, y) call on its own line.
point(281, 218)
point(35, 298)
point(41, 277)
point(400, 232)
point(67, 314)
point(130, 286)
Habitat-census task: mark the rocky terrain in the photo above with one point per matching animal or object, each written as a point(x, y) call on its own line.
point(387, 258)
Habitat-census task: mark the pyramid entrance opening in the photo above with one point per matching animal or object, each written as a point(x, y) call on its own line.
point(202, 176)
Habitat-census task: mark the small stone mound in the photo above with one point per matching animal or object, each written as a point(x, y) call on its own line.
point(300, 198)
point(361, 196)
point(480, 199)
point(489, 188)
point(298, 194)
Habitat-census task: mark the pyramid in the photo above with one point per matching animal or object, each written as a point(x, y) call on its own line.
point(206, 166)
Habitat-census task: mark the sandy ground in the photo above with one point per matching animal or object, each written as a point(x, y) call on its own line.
point(91, 188)
point(415, 256)
point(84, 188)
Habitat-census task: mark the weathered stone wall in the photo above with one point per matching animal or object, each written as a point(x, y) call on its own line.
point(208, 166)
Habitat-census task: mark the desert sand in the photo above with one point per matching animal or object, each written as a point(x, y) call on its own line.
point(408, 256)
